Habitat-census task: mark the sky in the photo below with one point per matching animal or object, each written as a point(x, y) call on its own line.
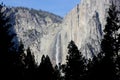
point(59, 7)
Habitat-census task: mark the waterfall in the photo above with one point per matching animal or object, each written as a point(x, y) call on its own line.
point(57, 49)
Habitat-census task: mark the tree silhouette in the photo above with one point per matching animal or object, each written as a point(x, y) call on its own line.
point(6, 45)
point(75, 67)
point(118, 60)
point(19, 65)
point(58, 72)
point(30, 65)
point(118, 67)
point(104, 66)
point(110, 45)
point(45, 70)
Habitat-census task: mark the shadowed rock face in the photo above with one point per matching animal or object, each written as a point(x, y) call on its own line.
point(48, 34)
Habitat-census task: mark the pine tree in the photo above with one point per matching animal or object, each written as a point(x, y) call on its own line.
point(29, 60)
point(58, 72)
point(118, 60)
point(104, 66)
point(110, 43)
point(30, 65)
point(45, 70)
point(6, 44)
point(19, 65)
point(118, 68)
point(75, 66)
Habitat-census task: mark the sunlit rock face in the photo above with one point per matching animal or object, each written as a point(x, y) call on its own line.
point(84, 24)
point(48, 34)
point(38, 30)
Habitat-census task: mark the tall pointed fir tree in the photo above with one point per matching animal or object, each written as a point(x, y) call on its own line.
point(110, 44)
point(24, 63)
point(75, 65)
point(105, 69)
point(20, 62)
point(118, 55)
point(45, 70)
point(30, 65)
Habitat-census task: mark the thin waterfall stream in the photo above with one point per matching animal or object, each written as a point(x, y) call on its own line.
point(57, 49)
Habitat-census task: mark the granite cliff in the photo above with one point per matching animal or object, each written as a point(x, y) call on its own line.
point(48, 34)
point(37, 29)
point(84, 24)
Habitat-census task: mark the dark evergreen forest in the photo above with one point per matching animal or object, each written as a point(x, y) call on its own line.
point(15, 64)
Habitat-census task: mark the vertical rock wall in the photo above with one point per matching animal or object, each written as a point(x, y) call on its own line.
point(84, 25)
